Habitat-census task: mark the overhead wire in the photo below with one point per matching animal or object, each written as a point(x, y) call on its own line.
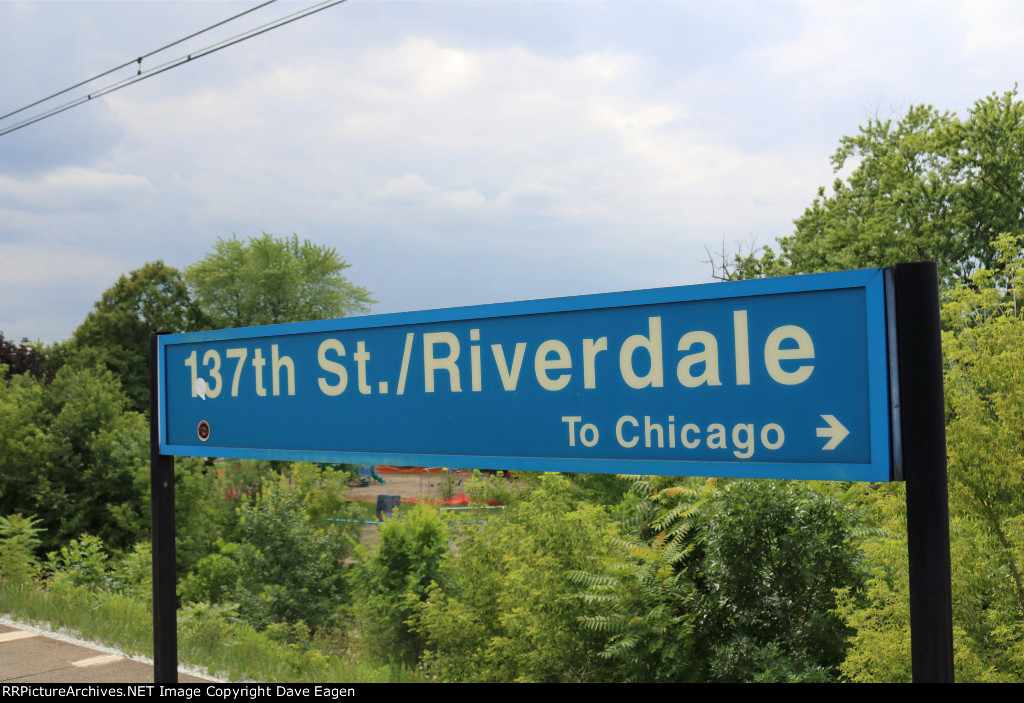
point(137, 60)
point(174, 63)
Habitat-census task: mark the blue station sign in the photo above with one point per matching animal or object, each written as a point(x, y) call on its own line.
point(774, 378)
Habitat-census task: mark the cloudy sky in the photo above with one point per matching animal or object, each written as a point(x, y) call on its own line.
point(455, 153)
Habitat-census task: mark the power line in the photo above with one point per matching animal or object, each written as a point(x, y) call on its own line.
point(136, 60)
point(143, 75)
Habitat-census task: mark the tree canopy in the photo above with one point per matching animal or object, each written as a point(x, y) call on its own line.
point(73, 455)
point(21, 358)
point(929, 185)
point(983, 345)
point(153, 298)
point(266, 280)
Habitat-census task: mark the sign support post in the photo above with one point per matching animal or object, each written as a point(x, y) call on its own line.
point(923, 421)
point(165, 617)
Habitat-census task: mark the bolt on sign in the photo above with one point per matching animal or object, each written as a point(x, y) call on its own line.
point(775, 378)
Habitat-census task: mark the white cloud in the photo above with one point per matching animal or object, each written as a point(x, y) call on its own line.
point(858, 48)
point(426, 147)
point(71, 188)
point(990, 26)
point(24, 264)
point(459, 160)
point(412, 190)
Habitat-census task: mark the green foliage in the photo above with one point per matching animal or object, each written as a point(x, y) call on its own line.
point(266, 280)
point(18, 541)
point(213, 636)
point(501, 487)
point(897, 205)
point(82, 562)
point(726, 581)
point(208, 636)
point(984, 348)
point(22, 527)
point(749, 262)
point(279, 560)
point(291, 569)
point(987, 642)
point(645, 599)
point(773, 554)
point(96, 477)
point(210, 504)
point(214, 577)
point(391, 582)
point(880, 646)
point(645, 607)
point(451, 482)
point(133, 574)
point(205, 498)
point(929, 185)
point(71, 454)
point(604, 489)
point(322, 489)
point(153, 298)
point(984, 384)
point(506, 607)
point(24, 443)
point(21, 358)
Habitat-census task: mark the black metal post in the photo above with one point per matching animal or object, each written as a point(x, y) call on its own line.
point(923, 420)
point(165, 617)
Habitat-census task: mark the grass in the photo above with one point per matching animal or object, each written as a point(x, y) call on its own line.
point(471, 515)
point(207, 637)
point(113, 619)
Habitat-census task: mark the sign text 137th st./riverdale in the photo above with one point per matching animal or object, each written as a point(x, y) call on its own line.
point(722, 379)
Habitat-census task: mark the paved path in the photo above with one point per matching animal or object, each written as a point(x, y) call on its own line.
point(30, 655)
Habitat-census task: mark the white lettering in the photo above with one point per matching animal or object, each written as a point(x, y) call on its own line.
point(742, 345)
point(652, 343)
point(331, 367)
point(474, 361)
point(572, 420)
point(590, 349)
point(709, 357)
point(362, 356)
point(447, 363)
point(618, 431)
point(276, 363)
point(773, 354)
point(780, 437)
point(509, 379)
point(542, 364)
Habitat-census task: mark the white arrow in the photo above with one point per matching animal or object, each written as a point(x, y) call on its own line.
point(835, 431)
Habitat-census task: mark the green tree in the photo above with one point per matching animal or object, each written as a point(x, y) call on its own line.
point(18, 541)
point(646, 601)
point(95, 478)
point(280, 561)
point(72, 454)
point(391, 582)
point(773, 553)
point(21, 358)
point(930, 185)
point(266, 280)
point(153, 298)
point(24, 442)
point(506, 607)
point(983, 343)
point(727, 581)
